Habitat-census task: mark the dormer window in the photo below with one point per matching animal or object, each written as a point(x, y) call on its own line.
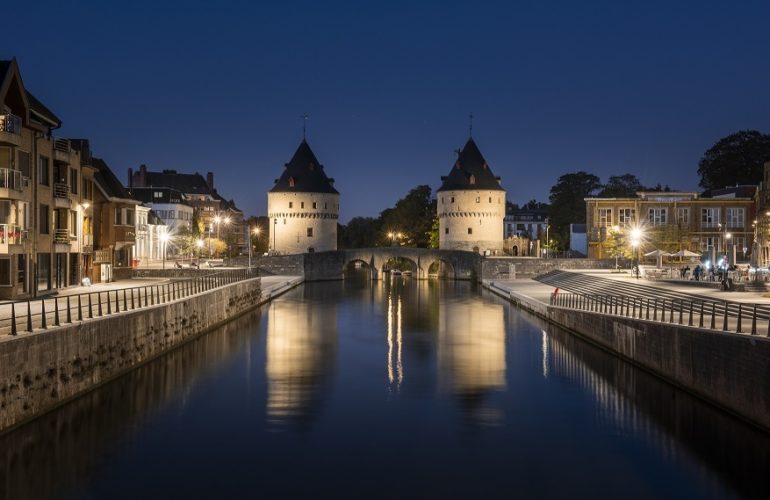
point(472, 179)
point(291, 182)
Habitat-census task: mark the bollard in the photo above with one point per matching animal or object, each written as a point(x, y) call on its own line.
point(109, 302)
point(700, 321)
point(689, 322)
point(117, 300)
point(671, 315)
point(655, 310)
point(43, 322)
point(133, 304)
point(681, 311)
point(29, 317)
point(740, 310)
point(754, 321)
point(90, 308)
point(56, 311)
point(125, 302)
point(13, 319)
point(152, 297)
point(69, 314)
point(647, 315)
point(80, 308)
point(713, 315)
point(724, 323)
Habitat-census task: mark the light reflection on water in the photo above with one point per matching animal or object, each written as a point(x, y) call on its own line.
point(329, 387)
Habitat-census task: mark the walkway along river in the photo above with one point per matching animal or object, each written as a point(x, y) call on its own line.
point(391, 389)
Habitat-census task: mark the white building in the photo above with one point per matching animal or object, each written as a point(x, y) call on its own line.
point(303, 206)
point(149, 228)
point(168, 204)
point(471, 205)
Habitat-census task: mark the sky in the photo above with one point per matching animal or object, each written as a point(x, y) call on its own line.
point(640, 87)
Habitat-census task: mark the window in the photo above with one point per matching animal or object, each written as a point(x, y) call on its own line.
point(626, 216)
point(310, 232)
point(453, 199)
point(5, 270)
point(157, 194)
point(740, 244)
point(45, 217)
point(118, 217)
point(735, 217)
point(605, 217)
point(657, 216)
point(73, 223)
point(291, 204)
point(709, 217)
point(302, 204)
point(284, 222)
point(88, 189)
point(707, 242)
point(470, 230)
point(446, 230)
point(21, 268)
point(490, 199)
point(314, 205)
point(24, 164)
point(478, 198)
point(43, 171)
point(326, 205)
point(74, 181)
point(683, 216)
point(129, 217)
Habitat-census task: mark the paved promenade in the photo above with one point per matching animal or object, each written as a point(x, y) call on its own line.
point(270, 286)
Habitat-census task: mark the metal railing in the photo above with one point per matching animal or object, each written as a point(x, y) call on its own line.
point(12, 234)
point(62, 145)
point(724, 316)
point(10, 123)
point(11, 179)
point(56, 311)
point(61, 236)
point(61, 190)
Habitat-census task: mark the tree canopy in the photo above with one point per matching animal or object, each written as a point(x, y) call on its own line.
point(621, 186)
point(735, 160)
point(568, 205)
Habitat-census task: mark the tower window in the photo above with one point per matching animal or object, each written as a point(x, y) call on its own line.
point(453, 199)
point(326, 205)
point(470, 230)
point(310, 232)
point(302, 204)
point(291, 204)
point(315, 205)
point(490, 199)
point(446, 230)
point(478, 199)
point(291, 181)
point(284, 222)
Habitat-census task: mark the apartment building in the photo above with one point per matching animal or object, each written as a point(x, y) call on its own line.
point(715, 222)
point(44, 202)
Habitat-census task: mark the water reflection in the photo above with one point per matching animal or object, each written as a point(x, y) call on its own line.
point(300, 356)
point(59, 451)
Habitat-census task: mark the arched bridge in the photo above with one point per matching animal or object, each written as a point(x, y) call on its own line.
point(453, 264)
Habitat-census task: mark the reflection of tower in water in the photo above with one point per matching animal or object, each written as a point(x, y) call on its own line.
point(301, 347)
point(471, 355)
point(395, 322)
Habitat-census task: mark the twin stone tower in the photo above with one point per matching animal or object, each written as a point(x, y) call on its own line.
point(304, 206)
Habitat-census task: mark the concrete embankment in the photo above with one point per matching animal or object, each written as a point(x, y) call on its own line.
point(43, 369)
point(730, 370)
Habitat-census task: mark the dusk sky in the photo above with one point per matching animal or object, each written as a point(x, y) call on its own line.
point(555, 87)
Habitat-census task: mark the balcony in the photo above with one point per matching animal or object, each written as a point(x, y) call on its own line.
point(102, 255)
point(12, 184)
point(10, 129)
point(62, 150)
point(125, 234)
point(61, 236)
point(11, 235)
point(87, 244)
point(61, 195)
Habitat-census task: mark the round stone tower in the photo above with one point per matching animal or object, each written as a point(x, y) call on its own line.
point(303, 206)
point(471, 205)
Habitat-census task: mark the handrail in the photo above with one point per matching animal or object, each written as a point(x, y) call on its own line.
point(61, 190)
point(709, 314)
point(12, 234)
point(32, 315)
point(11, 179)
point(61, 236)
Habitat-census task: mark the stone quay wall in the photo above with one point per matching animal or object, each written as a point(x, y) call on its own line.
point(43, 369)
point(527, 267)
point(730, 370)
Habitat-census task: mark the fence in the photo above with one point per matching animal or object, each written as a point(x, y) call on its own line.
point(722, 316)
point(56, 311)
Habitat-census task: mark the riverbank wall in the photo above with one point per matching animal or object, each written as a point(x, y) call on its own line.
point(43, 369)
point(729, 370)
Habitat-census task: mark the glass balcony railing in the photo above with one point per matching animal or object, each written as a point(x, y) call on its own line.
point(61, 236)
point(12, 235)
point(11, 179)
point(10, 124)
point(61, 190)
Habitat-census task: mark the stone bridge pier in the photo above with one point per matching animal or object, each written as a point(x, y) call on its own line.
point(453, 264)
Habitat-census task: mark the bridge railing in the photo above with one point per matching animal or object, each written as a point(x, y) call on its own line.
point(44, 313)
point(724, 316)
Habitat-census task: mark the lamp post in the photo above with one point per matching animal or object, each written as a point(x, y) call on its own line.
point(275, 228)
point(547, 239)
point(393, 237)
point(164, 240)
point(255, 232)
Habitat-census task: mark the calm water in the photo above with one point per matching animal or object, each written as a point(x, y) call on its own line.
point(386, 390)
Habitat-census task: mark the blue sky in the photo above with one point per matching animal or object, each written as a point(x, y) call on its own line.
point(555, 87)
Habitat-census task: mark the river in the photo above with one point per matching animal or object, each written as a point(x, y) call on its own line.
point(391, 389)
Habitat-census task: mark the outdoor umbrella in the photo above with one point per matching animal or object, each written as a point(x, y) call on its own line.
point(658, 254)
point(685, 253)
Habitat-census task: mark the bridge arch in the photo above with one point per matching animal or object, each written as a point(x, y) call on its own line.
point(441, 269)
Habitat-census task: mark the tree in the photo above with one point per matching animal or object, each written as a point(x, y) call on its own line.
point(360, 232)
point(412, 217)
point(260, 239)
point(734, 160)
point(433, 235)
point(621, 186)
point(568, 205)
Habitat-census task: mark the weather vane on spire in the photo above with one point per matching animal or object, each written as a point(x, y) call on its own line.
point(470, 125)
point(304, 125)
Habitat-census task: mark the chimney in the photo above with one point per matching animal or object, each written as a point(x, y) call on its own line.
point(142, 177)
point(210, 180)
point(130, 177)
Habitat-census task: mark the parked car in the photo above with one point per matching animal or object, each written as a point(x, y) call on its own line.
point(216, 263)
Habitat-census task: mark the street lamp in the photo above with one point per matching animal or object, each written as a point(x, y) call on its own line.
point(393, 237)
point(275, 228)
point(255, 232)
point(164, 240)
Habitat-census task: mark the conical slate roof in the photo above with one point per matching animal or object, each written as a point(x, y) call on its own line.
point(304, 174)
point(470, 171)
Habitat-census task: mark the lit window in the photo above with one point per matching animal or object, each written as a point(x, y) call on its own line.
point(310, 232)
point(470, 230)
